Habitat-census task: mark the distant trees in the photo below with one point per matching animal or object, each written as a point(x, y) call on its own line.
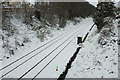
point(38, 17)
point(63, 11)
point(104, 9)
point(52, 13)
point(28, 12)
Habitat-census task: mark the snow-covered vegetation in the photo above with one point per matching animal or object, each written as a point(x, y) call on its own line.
point(38, 37)
point(24, 23)
point(98, 56)
point(60, 61)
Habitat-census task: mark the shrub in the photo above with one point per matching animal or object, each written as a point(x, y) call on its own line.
point(26, 40)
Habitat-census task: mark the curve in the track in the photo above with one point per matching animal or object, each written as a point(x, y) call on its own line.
point(48, 54)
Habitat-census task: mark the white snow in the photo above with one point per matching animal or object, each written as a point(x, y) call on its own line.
point(60, 61)
point(1, 50)
point(94, 60)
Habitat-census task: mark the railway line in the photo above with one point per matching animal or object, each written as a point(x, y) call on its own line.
point(39, 59)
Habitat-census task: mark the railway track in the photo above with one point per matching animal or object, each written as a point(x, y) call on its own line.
point(57, 39)
point(34, 50)
point(33, 56)
point(51, 53)
point(56, 55)
point(52, 42)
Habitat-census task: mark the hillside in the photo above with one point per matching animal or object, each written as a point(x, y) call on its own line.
point(21, 21)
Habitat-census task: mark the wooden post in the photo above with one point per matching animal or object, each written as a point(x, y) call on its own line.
point(79, 40)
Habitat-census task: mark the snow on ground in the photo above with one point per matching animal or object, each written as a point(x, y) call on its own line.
point(60, 61)
point(1, 43)
point(65, 55)
point(33, 41)
point(118, 50)
point(94, 60)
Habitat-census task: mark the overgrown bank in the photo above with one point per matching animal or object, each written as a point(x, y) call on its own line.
point(21, 19)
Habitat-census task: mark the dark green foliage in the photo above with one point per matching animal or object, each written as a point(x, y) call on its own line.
point(104, 9)
point(37, 14)
point(73, 9)
point(64, 11)
point(99, 20)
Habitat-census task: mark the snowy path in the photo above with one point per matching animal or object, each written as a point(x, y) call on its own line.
point(27, 67)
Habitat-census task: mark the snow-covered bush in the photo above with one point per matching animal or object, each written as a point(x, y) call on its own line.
point(106, 33)
point(76, 20)
point(42, 34)
point(104, 11)
point(26, 40)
